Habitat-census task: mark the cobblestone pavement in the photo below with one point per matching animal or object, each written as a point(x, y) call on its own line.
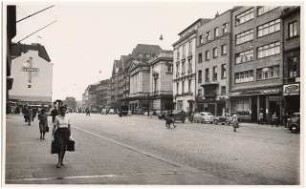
point(139, 150)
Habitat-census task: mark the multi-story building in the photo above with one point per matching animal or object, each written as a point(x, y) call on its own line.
point(32, 72)
point(291, 57)
point(102, 92)
point(161, 71)
point(184, 73)
point(139, 77)
point(212, 62)
point(257, 62)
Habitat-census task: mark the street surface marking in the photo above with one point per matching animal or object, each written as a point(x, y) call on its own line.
point(60, 178)
point(136, 150)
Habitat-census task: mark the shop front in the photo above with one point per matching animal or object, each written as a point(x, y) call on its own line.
point(291, 93)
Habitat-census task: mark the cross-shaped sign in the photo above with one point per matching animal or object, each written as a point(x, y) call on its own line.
point(29, 68)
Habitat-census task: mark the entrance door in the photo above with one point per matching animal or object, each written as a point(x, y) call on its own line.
point(254, 109)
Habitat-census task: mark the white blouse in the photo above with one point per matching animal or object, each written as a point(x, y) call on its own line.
point(62, 122)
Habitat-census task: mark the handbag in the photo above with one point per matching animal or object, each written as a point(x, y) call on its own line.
point(70, 145)
point(54, 147)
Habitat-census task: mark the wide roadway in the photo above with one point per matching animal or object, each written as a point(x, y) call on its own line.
point(140, 150)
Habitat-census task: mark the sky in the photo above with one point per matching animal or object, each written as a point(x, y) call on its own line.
point(89, 36)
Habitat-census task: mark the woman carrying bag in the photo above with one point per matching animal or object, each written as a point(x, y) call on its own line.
point(62, 134)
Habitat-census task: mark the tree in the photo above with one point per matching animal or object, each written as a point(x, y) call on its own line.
point(71, 103)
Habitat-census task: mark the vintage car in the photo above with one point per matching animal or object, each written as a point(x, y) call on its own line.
point(123, 111)
point(293, 122)
point(223, 120)
point(203, 117)
point(179, 115)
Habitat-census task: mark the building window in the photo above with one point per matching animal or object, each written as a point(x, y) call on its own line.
point(183, 87)
point(199, 92)
point(201, 39)
point(189, 66)
point(200, 58)
point(223, 90)
point(216, 32)
point(267, 73)
point(223, 71)
point(245, 16)
point(268, 50)
point(207, 55)
point(268, 28)
point(189, 86)
point(177, 54)
point(243, 77)
point(207, 75)
point(215, 52)
point(244, 36)
point(177, 88)
point(177, 70)
point(190, 48)
point(183, 68)
point(215, 73)
point(293, 29)
point(293, 69)
point(179, 105)
point(245, 56)
point(263, 10)
point(208, 37)
point(184, 51)
point(200, 76)
point(223, 50)
point(169, 68)
point(225, 28)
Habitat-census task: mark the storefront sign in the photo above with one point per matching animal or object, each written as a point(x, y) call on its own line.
point(292, 89)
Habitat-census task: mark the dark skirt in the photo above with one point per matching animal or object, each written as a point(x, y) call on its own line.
point(61, 137)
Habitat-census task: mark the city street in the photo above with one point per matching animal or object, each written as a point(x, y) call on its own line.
point(140, 150)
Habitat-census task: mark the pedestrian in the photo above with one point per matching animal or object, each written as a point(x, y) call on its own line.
point(34, 113)
point(28, 115)
point(43, 123)
point(260, 121)
point(275, 119)
point(54, 113)
point(61, 132)
point(87, 112)
point(235, 122)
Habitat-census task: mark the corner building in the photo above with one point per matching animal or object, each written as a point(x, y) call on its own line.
point(212, 62)
point(256, 62)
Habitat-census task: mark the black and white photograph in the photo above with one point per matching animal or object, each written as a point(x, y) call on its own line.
point(152, 93)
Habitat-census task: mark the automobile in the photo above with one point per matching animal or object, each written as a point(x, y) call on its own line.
point(203, 117)
point(104, 111)
point(179, 115)
point(161, 115)
point(293, 122)
point(226, 119)
point(123, 111)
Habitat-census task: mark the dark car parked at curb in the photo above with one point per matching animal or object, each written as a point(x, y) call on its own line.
point(179, 115)
point(293, 122)
point(123, 111)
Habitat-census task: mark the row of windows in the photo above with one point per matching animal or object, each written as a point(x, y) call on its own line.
point(249, 14)
point(262, 73)
point(214, 74)
point(183, 49)
point(183, 87)
point(215, 53)
point(217, 33)
point(222, 91)
point(268, 28)
point(263, 51)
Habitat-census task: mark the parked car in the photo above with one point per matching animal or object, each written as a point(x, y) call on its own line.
point(179, 115)
point(123, 111)
point(161, 115)
point(226, 119)
point(203, 117)
point(293, 122)
point(111, 111)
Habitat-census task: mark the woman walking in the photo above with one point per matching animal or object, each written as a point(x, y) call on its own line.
point(43, 123)
point(61, 133)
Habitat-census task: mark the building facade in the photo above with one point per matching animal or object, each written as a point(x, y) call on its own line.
point(139, 77)
point(212, 63)
point(291, 56)
point(32, 72)
point(184, 73)
point(161, 71)
point(102, 92)
point(256, 62)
